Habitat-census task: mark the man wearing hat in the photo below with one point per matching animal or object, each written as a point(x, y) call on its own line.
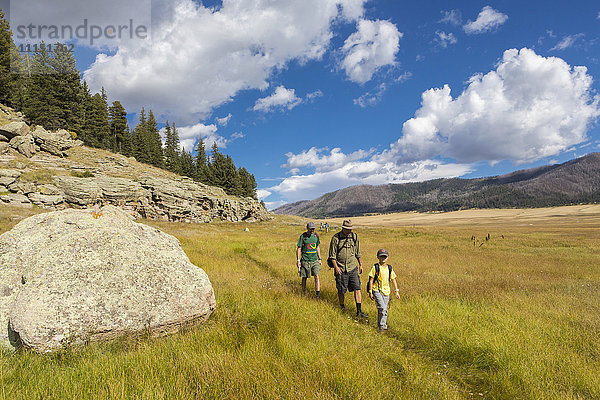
point(344, 254)
point(308, 256)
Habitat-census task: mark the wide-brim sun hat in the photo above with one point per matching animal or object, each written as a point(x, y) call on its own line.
point(347, 224)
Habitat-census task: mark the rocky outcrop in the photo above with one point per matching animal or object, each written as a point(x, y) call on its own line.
point(27, 141)
point(141, 190)
point(13, 129)
point(74, 276)
point(174, 199)
point(24, 145)
point(8, 176)
point(54, 143)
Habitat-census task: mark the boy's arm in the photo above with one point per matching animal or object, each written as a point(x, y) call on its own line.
point(396, 288)
point(370, 287)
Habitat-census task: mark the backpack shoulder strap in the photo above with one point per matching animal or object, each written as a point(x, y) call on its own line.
point(390, 268)
point(303, 237)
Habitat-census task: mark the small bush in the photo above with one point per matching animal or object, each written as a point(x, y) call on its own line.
point(84, 174)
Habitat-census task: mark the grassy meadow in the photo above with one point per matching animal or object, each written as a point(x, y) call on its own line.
point(513, 317)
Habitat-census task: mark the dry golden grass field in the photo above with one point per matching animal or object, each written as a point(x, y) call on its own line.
point(516, 316)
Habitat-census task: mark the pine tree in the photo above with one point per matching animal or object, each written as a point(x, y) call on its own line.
point(11, 68)
point(118, 126)
point(187, 163)
point(127, 145)
point(86, 110)
point(98, 127)
point(67, 89)
point(140, 151)
point(232, 184)
point(39, 104)
point(154, 143)
point(53, 90)
point(201, 162)
point(248, 183)
point(215, 168)
point(171, 149)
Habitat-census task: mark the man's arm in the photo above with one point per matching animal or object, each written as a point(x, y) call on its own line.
point(333, 254)
point(358, 256)
point(319, 253)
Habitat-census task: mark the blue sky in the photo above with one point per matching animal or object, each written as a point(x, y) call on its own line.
point(315, 95)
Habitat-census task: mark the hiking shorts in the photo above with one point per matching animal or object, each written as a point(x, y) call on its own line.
point(347, 281)
point(309, 268)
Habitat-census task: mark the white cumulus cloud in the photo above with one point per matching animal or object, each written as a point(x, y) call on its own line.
point(189, 135)
point(453, 17)
point(223, 121)
point(487, 20)
point(371, 98)
point(373, 46)
point(200, 58)
point(281, 98)
point(262, 194)
point(358, 172)
point(529, 108)
point(444, 39)
point(567, 41)
point(315, 157)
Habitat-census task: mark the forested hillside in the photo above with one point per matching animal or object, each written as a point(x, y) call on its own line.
point(576, 181)
point(46, 86)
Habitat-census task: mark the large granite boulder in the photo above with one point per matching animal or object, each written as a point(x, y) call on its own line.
point(73, 276)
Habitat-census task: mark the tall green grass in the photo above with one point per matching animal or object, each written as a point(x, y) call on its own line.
point(517, 317)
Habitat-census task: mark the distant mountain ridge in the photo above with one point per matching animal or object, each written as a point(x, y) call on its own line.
point(575, 181)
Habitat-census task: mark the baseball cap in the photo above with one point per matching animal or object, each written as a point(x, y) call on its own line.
point(382, 252)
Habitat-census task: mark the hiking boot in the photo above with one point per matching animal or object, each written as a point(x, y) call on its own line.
point(343, 307)
point(361, 315)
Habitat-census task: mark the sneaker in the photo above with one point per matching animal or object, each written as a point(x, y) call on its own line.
point(382, 330)
point(361, 315)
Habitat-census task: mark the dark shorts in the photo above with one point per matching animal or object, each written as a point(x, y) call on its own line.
point(347, 281)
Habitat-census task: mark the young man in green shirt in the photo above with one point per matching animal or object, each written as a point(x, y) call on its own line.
point(308, 255)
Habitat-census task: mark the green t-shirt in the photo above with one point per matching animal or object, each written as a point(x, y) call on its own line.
point(309, 246)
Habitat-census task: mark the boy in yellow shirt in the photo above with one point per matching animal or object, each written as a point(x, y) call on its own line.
point(379, 287)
